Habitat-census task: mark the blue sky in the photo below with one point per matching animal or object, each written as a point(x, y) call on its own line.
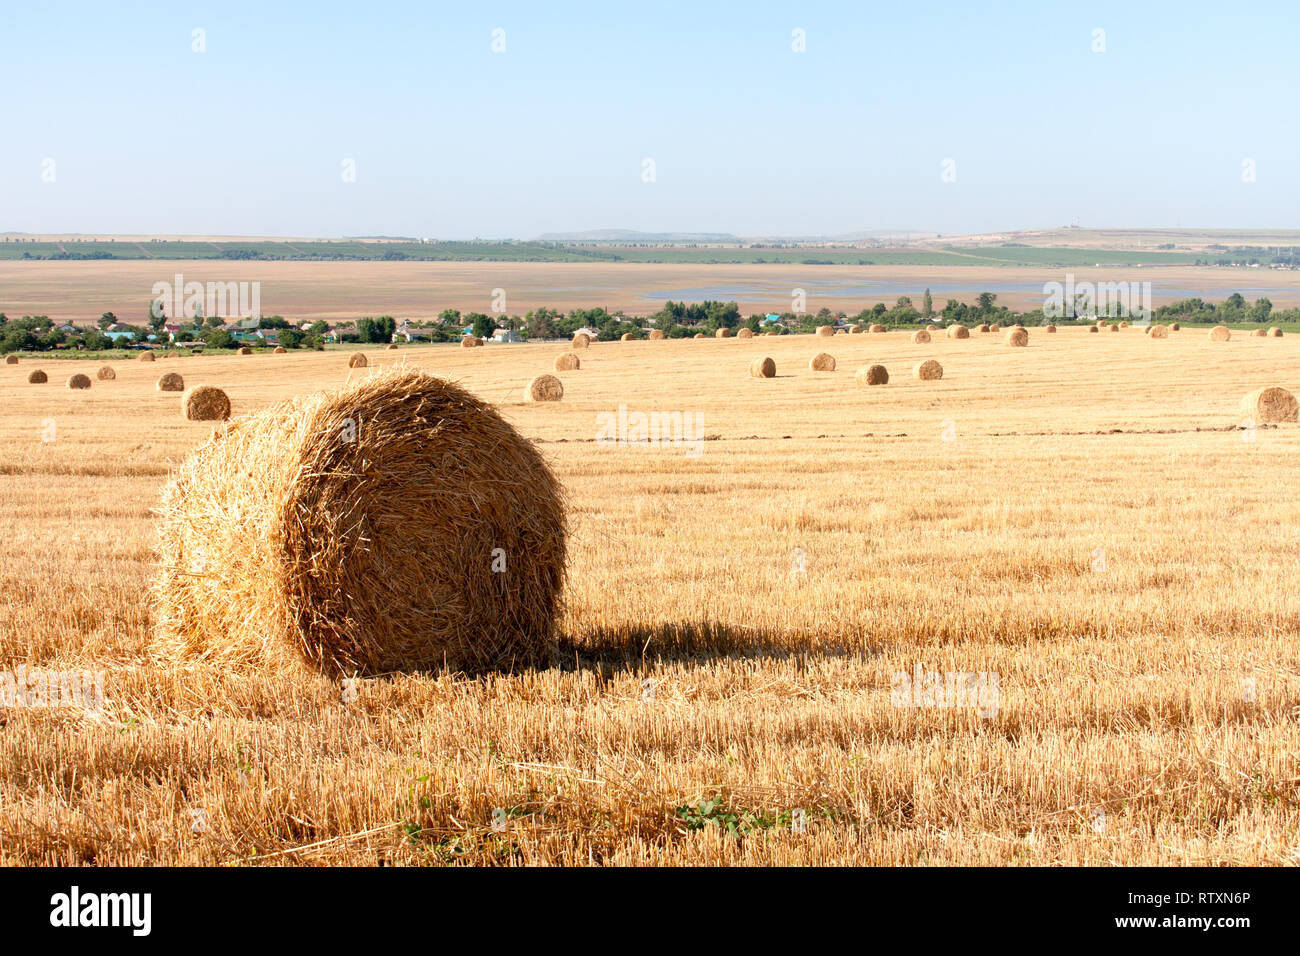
point(452, 140)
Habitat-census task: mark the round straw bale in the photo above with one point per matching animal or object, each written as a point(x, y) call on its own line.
point(932, 327)
point(245, 350)
point(79, 381)
point(722, 333)
point(744, 333)
point(1274, 332)
point(1123, 325)
point(1220, 333)
point(983, 326)
point(11, 359)
point(581, 340)
point(927, 371)
point(37, 377)
point(772, 332)
point(358, 360)
point(762, 368)
point(656, 334)
point(396, 524)
point(876, 327)
point(822, 362)
point(1271, 405)
point(1017, 337)
point(1158, 331)
point(825, 330)
point(545, 388)
point(699, 335)
point(872, 375)
point(468, 342)
point(171, 382)
point(281, 350)
point(147, 357)
point(958, 332)
point(1175, 327)
point(920, 337)
point(567, 361)
point(106, 374)
point(1094, 328)
point(626, 337)
point(1113, 327)
point(1049, 329)
point(206, 403)
point(1148, 330)
point(1260, 333)
point(391, 346)
point(854, 329)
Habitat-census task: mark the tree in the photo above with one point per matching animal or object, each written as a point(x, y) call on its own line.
point(483, 325)
point(107, 319)
point(218, 339)
point(1261, 310)
point(904, 302)
point(985, 301)
point(290, 338)
point(927, 304)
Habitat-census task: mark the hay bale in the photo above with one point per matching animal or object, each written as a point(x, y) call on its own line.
point(1123, 325)
point(106, 374)
point(545, 388)
point(1220, 333)
point(626, 337)
point(932, 327)
point(171, 382)
point(656, 334)
point(1094, 328)
point(1175, 327)
point(1271, 404)
point(1113, 327)
point(699, 335)
point(825, 330)
point(772, 332)
point(958, 332)
point(877, 327)
point(245, 350)
point(1260, 333)
point(79, 381)
point(11, 359)
point(744, 333)
point(1158, 332)
point(927, 371)
point(468, 342)
point(1049, 329)
point(822, 362)
point(359, 360)
point(983, 326)
point(206, 403)
point(872, 375)
point(1017, 337)
point(722, 333)
point(146, 357)
point(281, 350)
point(567, 362)
point(855, 329)
point(392, 346)
point(762, 368)
point(396, 524)
point(37, 377)
point(580, 340)
point(1274, 332)
point(920, 337)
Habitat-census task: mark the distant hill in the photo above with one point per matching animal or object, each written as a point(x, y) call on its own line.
point(631, 235)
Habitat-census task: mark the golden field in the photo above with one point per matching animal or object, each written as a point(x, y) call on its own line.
point(1084, 518)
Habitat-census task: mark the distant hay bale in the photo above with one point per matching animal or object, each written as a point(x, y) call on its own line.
point(106, 374)
point(920, 337)
point(722, 333)
point(1271, 404)
point(281, 350)
point(11, 359)
point(932, 327)
point(545, 388)
point(1175, 327)
point(1123, 325)
point(171, 382)
point(1274, 332)
point(79, 381)
point(1158, 331)
point(468, 342)
point(822, 362)
point(762, 368)
point(399, 477)
point(772, 332)
point(146, 357)
point(958, 332)
point(580, 341)
point(1049, 329)
point(656, 334)
point(744, 333)
point(1220, 333)
point(699, 335)
point(876, 327)
point(1017, 337)
point(927, 371)
point(825, 330)
point(358, 360)
point(1113, 327)
point(1260, 333)
point(37, 377)
point(626, 337)
point(206, 403)
point(872, 375)
point(854, 329)
point(245, 350)
point(983, 326)
point(1094, 328)
point(567, 362)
